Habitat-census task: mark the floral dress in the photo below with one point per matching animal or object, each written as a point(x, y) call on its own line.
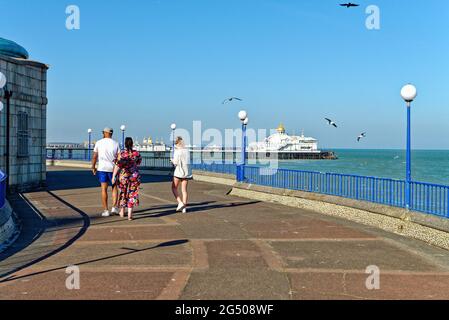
point(129, 178)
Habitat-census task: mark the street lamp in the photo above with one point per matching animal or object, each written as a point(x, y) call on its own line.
point(409, 94)
point(7, 94)
point(89, 132)
point(123, 128)
point(2, 85)
point(173, 128)
point(243, 116)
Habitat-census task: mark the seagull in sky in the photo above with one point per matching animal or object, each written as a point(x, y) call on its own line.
point(362, 135)
point(330, 122)
point(348, 5)
point(231, 99)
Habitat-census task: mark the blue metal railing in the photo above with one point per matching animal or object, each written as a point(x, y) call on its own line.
point(2, 189)
point(149, 160)
point(216, 167)
point(68, 154)
point(425, 197)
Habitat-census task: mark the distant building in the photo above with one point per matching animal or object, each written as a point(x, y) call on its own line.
point(149, 145)
point(282, 146)
point(24, 162)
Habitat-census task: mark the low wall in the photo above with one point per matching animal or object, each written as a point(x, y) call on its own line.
point(424, 227)
point(9, 229)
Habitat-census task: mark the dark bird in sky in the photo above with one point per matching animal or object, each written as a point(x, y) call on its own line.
point(362, 135)
point(348, 5)
point(231, 99)
point(331, 123)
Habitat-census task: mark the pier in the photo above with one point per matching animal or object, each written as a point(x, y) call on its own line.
point(226, 247)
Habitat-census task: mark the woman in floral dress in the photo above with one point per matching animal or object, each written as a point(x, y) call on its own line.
point(126, 165)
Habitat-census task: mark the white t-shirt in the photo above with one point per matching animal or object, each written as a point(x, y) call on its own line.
point(107, 150)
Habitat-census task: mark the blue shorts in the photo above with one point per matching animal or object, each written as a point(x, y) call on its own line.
point(104, 177)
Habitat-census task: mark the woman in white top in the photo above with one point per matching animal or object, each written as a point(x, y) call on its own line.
point(182, 174)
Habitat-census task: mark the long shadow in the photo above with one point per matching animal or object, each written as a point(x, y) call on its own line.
point(130, 251)
point(79, 179)
point(32, 225)
point(65, 223)
point(195, 209)
point(81, 232)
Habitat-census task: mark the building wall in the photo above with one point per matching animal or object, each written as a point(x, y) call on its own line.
point(28, 81)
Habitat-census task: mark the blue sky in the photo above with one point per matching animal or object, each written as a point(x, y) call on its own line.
point(150, 63)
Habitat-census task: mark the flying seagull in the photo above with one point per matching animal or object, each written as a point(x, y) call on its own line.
point(331, 123)
point(231, 99)
point(348, 5)
point(362, 135)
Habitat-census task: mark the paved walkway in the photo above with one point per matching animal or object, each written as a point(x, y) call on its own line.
point(224, 248)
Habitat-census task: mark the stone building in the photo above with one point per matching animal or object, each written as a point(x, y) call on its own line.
point(24, 162)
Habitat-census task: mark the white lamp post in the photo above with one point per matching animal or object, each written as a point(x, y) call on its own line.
point(2, 85)
point(2, 80)
point(243, 116)
point(408, 93)
point(123, 129)
point(89, 132)
point(173, 128)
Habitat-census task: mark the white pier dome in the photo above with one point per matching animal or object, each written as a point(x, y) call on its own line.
point(280, 141)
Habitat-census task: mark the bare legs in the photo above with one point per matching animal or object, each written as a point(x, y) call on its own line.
point(185, 195)
point(104, 195)
point(174, 188)
point(115, 195)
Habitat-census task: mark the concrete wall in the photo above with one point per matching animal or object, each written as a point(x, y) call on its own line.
point(8, 227)
point(28, 81)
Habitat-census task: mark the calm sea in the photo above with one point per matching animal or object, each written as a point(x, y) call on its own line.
point(427, 165)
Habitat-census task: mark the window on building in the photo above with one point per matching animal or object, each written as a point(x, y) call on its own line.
point(22, 135)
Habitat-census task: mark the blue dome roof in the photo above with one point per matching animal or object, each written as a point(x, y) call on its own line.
point(12, 49)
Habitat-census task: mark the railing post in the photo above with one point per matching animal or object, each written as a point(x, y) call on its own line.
point(240, 177)
point(447, 202)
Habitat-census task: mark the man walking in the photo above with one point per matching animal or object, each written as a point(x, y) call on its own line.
point(105, 152)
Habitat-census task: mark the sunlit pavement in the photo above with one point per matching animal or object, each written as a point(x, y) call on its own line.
point(223, 248)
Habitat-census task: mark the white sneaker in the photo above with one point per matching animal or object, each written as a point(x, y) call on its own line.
point(180, 207)
point(106, 213)
point(115, 210)
point(184, 210)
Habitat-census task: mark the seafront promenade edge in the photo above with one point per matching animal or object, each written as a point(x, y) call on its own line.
point(428, 228)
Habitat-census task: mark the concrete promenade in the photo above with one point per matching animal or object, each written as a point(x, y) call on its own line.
point(225, 248)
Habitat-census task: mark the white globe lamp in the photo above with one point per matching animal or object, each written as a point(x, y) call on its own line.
point(409, 93)
point(243, 115)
